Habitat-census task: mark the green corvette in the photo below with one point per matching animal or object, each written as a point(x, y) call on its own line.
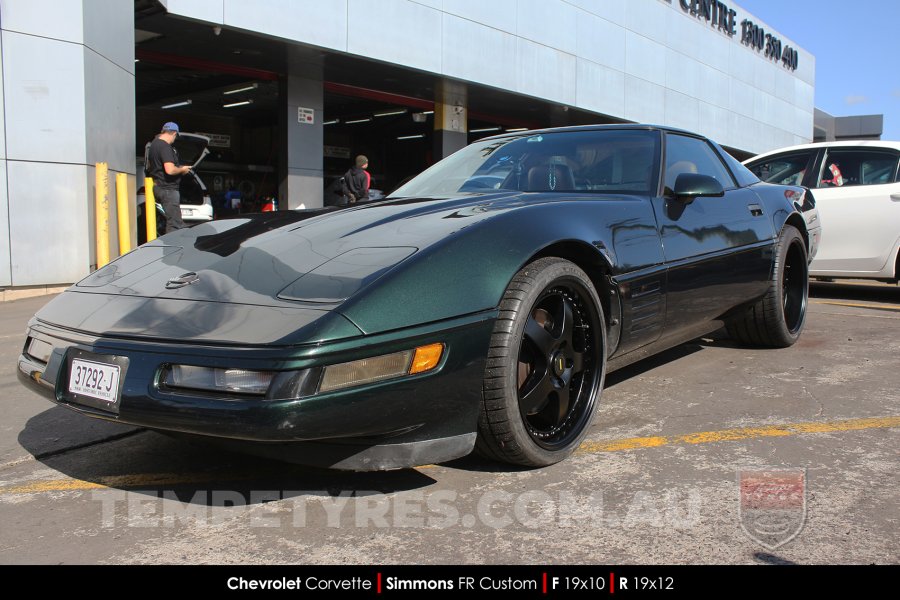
point(479, 307)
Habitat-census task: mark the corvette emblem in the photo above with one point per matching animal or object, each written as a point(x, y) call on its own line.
point(182, 280)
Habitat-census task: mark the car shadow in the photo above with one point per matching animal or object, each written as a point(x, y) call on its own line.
point(837, 290)
point(652, 362)
point(141, 464)
point(771, 559)
point(190, 470)
point(475, 462)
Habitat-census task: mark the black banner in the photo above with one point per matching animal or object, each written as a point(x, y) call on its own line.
point(459, 580)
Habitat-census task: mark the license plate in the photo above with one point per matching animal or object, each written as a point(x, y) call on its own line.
point(94, 379)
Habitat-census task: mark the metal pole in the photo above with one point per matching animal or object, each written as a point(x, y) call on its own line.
point(101, 208)
point(122, 212)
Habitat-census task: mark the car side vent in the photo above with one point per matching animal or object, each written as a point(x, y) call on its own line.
point(646, 307)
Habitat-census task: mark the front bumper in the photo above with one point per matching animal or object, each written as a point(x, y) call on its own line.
point(396, 423)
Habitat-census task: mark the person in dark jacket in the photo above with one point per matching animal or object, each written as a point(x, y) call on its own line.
point(357, 181)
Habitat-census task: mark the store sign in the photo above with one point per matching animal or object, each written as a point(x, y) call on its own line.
point(306, 116)
point(720, 16)
point(336, 152)
point(217, 140)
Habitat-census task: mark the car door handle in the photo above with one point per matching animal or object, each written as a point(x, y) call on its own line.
point(895, 197)
point(755, 210)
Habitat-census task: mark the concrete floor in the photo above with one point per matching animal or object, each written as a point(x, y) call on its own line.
point(655, 481)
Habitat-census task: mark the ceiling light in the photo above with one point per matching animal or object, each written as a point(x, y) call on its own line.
point(366, 120)
point(177, 104)
point(411, 137)
point(427, 112)
point(233, 104)
point(331, 122)
point(243, 89)
point(517, 129)
point(391, 113)
point(484, 129)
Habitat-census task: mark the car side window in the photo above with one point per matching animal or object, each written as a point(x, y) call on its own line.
point(693, 155)
point(843, 168)
point(742, 174)
point(784, 169)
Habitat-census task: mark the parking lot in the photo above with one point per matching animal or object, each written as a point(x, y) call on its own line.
point(656, 481)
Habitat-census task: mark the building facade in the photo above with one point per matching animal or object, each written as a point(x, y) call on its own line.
point(85, 81)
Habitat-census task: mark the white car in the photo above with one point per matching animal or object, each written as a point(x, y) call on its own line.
point(856, 186)
point(196, 206)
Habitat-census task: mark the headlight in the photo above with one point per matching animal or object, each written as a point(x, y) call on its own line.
point(240, 381)
point(305, 382)
point(378, 368)
point(39, 350)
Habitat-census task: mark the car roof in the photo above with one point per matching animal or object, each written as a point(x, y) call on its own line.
point(604, 127)
point(843, 144)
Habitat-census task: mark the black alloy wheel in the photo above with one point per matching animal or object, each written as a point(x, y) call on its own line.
point(546, 366)
point(777, 319)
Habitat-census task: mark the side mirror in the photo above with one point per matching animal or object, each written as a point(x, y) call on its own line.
point(693, 185)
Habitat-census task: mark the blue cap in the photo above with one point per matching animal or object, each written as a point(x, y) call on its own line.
point(170, 126)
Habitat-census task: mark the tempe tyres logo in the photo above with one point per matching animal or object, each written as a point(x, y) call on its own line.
point(772, 505)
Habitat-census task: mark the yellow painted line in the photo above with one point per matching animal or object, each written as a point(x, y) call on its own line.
point(860, 305)
point(155, 480)
point(53, 485)
point(866, 283)
point(825, 312)
point(626, 444)
point(742, 433)
point(121, 481)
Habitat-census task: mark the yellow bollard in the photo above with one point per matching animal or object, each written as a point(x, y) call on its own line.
point(101, 208)
point(122, 211)
point(149, 209)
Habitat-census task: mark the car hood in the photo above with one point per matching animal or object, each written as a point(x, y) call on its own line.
point(261, 259)
point(313, 260)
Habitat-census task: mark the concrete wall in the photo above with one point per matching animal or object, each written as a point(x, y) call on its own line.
point(67, 86)
point(68, 102)
point(641, 60)
point(5, 274)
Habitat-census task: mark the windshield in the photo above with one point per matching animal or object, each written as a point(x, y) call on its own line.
point(607, 161)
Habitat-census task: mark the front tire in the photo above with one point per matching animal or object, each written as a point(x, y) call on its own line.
point(545, 367)
point(778, 318)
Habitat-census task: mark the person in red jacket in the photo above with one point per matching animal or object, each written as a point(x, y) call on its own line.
point(357, 181)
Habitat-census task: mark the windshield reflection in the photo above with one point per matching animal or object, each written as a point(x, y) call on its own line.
point(620, 161)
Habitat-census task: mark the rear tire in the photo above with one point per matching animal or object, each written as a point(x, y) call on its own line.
point(778, 318)
point(545, 367)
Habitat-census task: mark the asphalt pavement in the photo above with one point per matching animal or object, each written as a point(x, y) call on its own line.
point(708, 453)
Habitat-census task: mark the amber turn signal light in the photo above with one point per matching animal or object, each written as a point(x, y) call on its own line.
point(426, 358)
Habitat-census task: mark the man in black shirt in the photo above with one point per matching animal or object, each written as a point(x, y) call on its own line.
point(163, 166)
